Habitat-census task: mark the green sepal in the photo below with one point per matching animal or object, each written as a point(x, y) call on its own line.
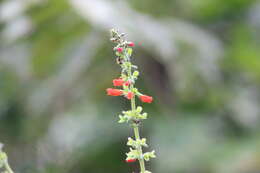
point(132, 154)
point(149, 155)
point(135, 66)
point(122, 119)
point(136, 73)
point(118, 54)
point(129, 51)
point(143, 116)
point(139, 109)
point(130, 142)
point(143, 142)
point(137, 143)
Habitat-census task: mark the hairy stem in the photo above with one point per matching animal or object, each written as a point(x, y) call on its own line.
point(141, 160)
point(136, 131)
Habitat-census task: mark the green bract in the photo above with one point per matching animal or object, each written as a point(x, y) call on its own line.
point(129, 51)
point(149, 155)
point(137, 143)
point(134, 115)
point(132, 154)
point(136, 73)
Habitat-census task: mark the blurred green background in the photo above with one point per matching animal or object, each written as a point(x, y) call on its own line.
point(199, 59)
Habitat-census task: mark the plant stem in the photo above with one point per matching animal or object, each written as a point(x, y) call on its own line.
point(7, 167)
point(141, 160)
point(137, 137)
point(135, 126)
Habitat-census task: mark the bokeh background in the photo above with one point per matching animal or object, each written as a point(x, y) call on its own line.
point(199, 59)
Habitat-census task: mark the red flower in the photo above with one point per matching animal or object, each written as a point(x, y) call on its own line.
point(120, 49)
point(114, 92)
point(129, 95)
point(118, 82)
point(127, 83)
point(131, 44)
point(146, 99)
point(130, 160)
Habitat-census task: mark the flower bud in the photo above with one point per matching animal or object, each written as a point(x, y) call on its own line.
point(119, 49)
point(146, 99)
point(118, 82)
point(131, 44)
point(130, 160)
point(130, 95)
point(114, 92)
point(127, 83)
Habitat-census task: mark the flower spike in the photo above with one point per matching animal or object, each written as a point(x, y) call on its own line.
point(135, 115)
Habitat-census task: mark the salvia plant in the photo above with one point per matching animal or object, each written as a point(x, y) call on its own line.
point(125, 83)
point(4, 165)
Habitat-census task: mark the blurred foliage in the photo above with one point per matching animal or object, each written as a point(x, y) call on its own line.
point(55, 64)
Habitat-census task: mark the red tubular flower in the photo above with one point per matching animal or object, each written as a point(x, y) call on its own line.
point(114, 92)
point(146, 99)
point(118, 82)
point(130, 160)
point(127, 83)
point(120, 49)
point(129, 95)
point(131, 44)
